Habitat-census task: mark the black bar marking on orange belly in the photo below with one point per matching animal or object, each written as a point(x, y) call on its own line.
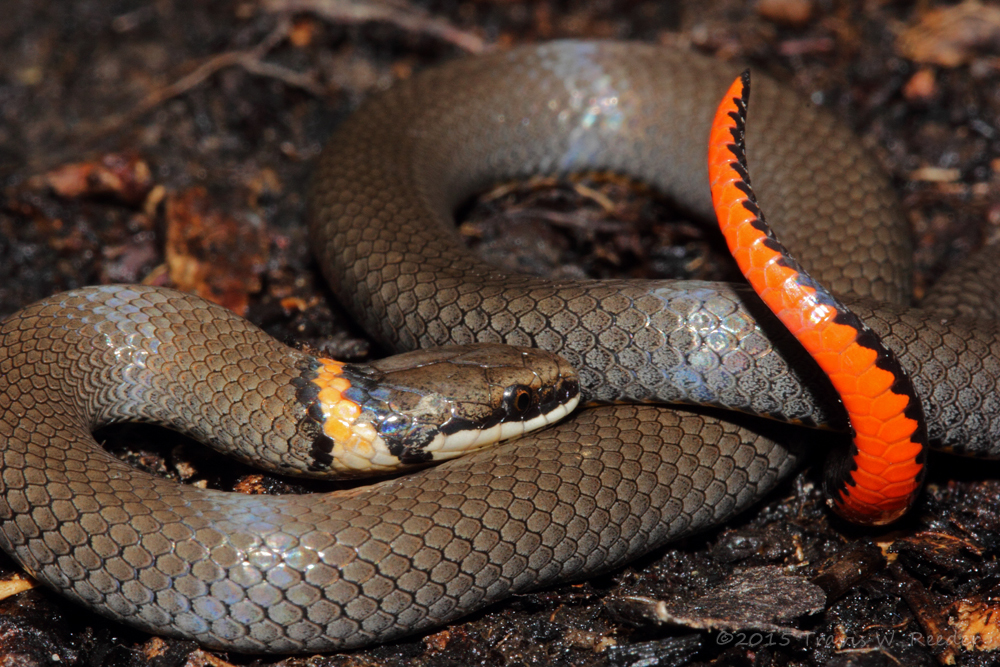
point(884, 359)
point(886, 362)
point(863, 336)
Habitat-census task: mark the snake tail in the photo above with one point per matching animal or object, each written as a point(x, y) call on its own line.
point(887, 420)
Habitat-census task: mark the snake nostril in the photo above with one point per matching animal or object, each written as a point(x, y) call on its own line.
point(567, 390)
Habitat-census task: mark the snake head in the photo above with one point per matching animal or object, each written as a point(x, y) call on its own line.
point(436, 404)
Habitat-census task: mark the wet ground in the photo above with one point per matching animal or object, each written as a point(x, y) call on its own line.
point(170, 142)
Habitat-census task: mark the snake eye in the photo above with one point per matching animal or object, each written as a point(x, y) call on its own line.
point(518, 399)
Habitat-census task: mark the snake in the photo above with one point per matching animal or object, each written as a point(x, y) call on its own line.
point(324, 572)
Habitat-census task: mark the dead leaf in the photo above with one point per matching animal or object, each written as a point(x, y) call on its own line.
point(952, 36)
point(210, 253)
point(123, 176)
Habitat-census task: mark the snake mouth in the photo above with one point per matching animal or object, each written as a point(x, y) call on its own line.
point(557, 404)
point(460, 436)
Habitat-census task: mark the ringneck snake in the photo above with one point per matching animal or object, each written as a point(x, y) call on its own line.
point(333, 571)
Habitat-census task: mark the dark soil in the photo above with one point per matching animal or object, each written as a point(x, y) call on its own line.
point(230, 146)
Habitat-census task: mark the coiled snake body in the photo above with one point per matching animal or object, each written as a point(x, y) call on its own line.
point(313, 573)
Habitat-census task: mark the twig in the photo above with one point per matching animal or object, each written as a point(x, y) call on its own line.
point(292, 78)
point(248, 59)
point(398, 13)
